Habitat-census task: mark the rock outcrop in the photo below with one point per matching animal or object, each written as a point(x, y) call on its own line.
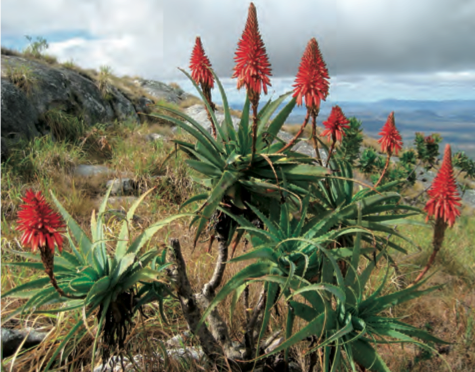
point(75, 93)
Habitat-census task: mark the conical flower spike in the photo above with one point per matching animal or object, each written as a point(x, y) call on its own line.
point(312, 77)
point(391, 141)
point(200, 65)
point(335, 125)
point(252, 64)
point(443, 195)
point(40, 225)
point(201, 74)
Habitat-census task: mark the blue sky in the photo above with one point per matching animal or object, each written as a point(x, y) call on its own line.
point(374, 49)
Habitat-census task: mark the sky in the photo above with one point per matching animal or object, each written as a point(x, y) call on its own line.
point(374, 49)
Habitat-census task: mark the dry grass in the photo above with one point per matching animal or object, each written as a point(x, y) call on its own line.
point(43, 165)
point(22, 76)
point(190, 101)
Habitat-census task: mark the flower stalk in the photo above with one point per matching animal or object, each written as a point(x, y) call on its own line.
point(201, 73)
point(391, 142)
point(443, 202)
point(252, 67)
point(335, 128)
point(311, 84)
point(42, 229)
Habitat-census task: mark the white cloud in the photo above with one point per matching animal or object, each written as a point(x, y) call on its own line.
point(373, 48)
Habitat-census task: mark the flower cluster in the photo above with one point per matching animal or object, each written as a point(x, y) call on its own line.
point(200, 66)
point(41, 226)
point(252, 64)
point(391, 141)
point(335, 125)
point(443, 194)
point(312, 77)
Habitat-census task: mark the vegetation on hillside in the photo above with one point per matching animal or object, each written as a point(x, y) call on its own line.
point(308, 253)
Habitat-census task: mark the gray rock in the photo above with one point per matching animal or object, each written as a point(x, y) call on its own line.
point(120, 215)
point(5, 150)
point(152, 137)
point(118, 200)
point(59, 88)
point(12, 339)
point(74, 93)
point(124, 186)
point(161, 91)
point(178, 340)
point(274, 345)
point(85, 170)
point(469, 198)
point(198, 113)
point(19, 116)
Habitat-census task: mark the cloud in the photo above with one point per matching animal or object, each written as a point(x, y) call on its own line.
point(367, 44)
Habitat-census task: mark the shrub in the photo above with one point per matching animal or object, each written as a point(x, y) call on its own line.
point(349, 149)
point(104, 82)
point(427, 148)
point(64, 126)
point(36, 47)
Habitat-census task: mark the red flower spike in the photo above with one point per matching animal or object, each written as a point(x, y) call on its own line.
point(391, 139)
point(312, 77)
point(252, 64)
point(443, 194)
point(199, 65)
point(335, 125)
point(41, 226)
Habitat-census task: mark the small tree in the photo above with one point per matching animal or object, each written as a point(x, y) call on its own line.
point(36, 47)
point(427, 148)
point(349, 149)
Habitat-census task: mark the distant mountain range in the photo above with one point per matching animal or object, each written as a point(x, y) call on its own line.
point(454, 120)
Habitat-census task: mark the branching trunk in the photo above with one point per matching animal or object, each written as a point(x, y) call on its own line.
point(190, 308)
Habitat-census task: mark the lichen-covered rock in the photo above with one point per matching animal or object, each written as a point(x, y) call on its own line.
point(162, 91)
point(69, 91)
point(5, 150)
point(199, 113)
point(19, 116)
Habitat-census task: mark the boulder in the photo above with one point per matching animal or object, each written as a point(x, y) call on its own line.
point(19, 115)
point(5, 150)
point(162, 91)
point(74, 93)
point(199, 113)
point(12, 339)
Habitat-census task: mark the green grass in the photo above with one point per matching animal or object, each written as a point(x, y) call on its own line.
point(64, 126)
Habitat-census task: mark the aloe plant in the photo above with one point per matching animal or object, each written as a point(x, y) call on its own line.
point(295, 258)
point(93, 279)
point(229, 168)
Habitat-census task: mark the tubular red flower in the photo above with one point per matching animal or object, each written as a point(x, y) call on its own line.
point(199, 65)
point(391, 139)
point(443, 195)
point(335, 125)
point(252, 64)
point(312, 77)
point(41, 226)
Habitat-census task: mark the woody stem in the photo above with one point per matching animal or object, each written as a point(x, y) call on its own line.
point(207, 94)
point(255, 104)
point(331, 151)
point(384, 170)
point(439, 233)
point(302, 127)
point(47, 257)
point(314, 137)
